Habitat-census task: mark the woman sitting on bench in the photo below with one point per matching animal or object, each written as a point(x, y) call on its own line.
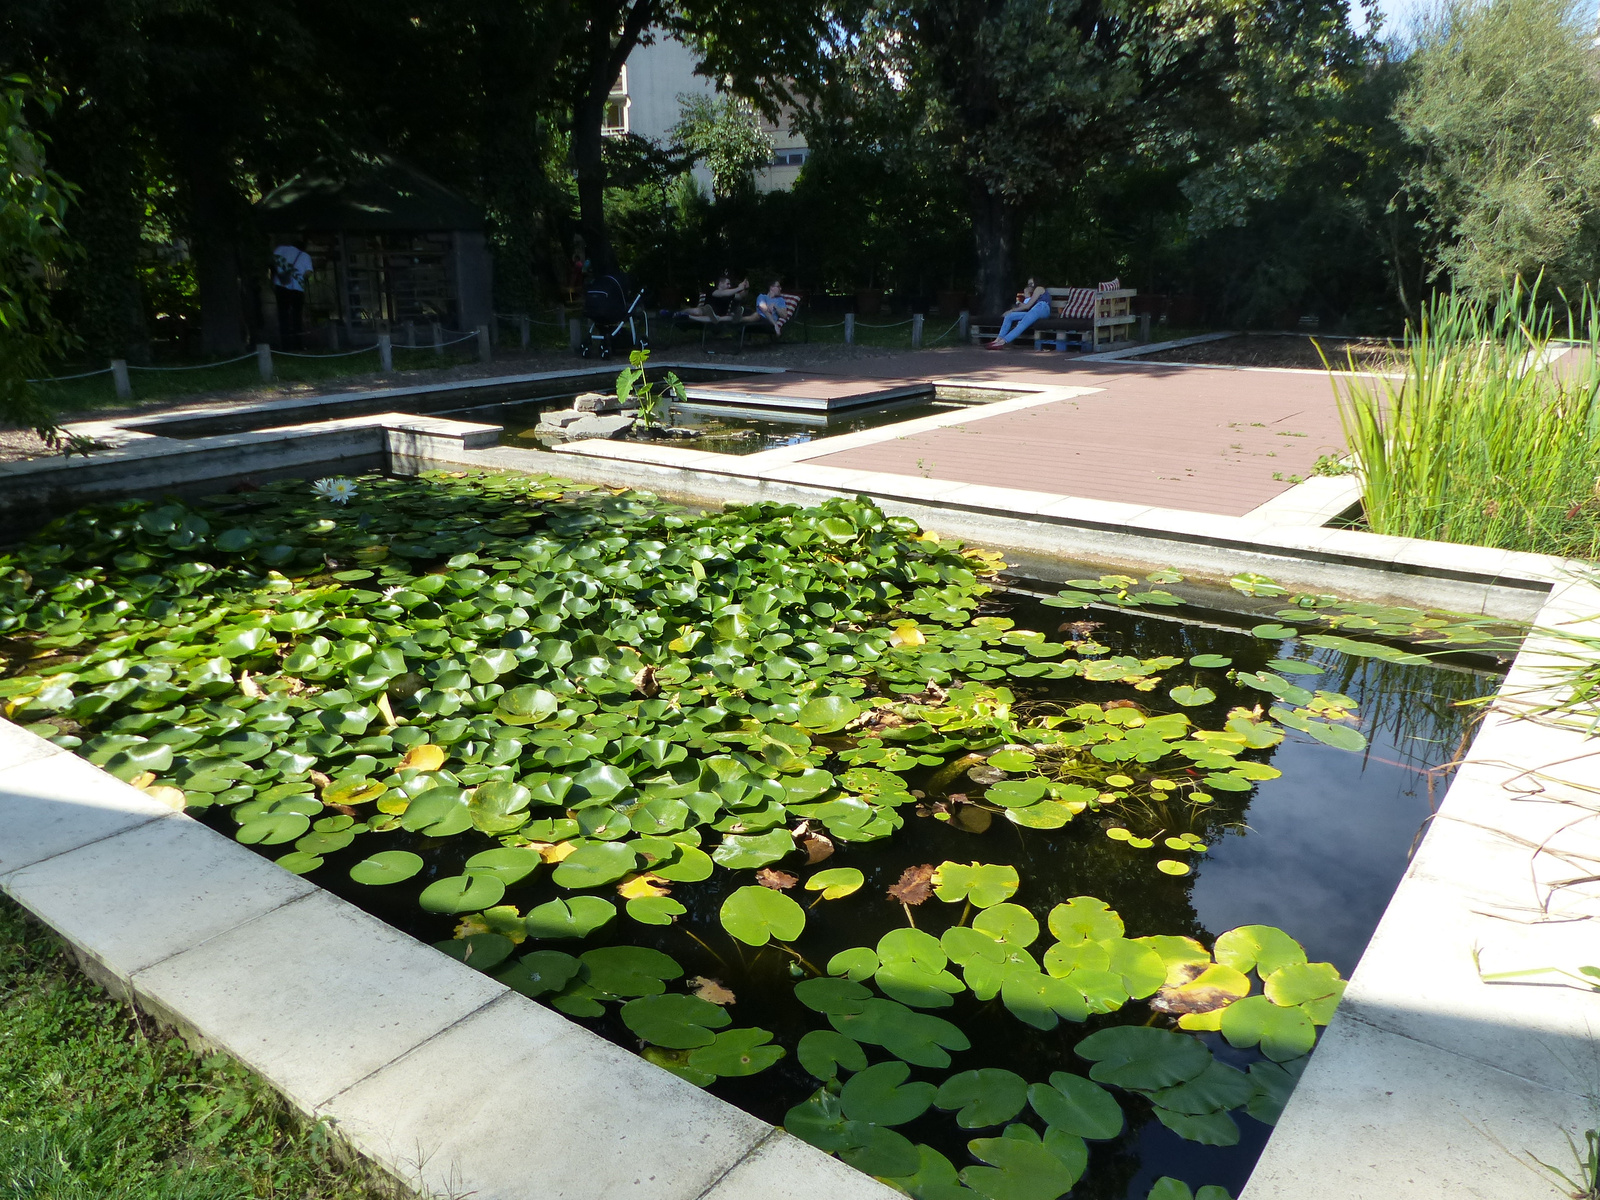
point(1032, 305)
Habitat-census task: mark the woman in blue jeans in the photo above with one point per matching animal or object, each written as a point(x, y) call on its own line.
point(1033, 305)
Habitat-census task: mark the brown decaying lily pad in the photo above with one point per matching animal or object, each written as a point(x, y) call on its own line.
point(777, 880)
point(1195, 994)
point(914, 885)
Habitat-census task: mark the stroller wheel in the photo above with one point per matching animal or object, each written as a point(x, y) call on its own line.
point(583, 349)
point(644, 343)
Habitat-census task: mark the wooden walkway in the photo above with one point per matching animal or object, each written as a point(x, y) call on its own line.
point(1198, 438)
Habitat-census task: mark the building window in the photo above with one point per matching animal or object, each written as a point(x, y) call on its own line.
point(615, 121)
point(790, 158)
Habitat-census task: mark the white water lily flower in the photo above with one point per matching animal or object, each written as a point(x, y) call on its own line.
point(340, 491)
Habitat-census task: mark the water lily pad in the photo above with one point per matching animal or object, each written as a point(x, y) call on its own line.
point(1282, 1033)
point(918, 985)
point(629, 970)
point(1214, 661)
point(595, 864)
point(737, 852)
point(1084, 918)
point(831, 995)
point(1017, 793)
point(574, 918)
point(1077, 1105)
point(385, 867)
point(499, 806)
point(1012, 760)
point(881, 1095)
point(1141, 968)
point(836, 883)
point(756, 915)
point(461, 894)
point(273, 829)
point(1192, 697)
point(1260, 947)
point(1209, 1129)
point(1315, 987)
point(1041, 1000)
point(822, 1052)
point(1024, 1167)
point(541, 971)
point(826, 714)
point(300, 862)
point(1137, 1056)
point(1340, 737)
point(988, 1096)
point(484, 951)
point(1215, 1089)
point(675, 1021)
point(1008, 923)
point(1273, 1083)
point(1273, 632)
point(737, 1052)
point(856, 963)
point(508, 864)
point(982, 884)
point(655, 910)
point(918, 1038)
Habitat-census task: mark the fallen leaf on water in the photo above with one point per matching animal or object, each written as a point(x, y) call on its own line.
point(555, 851)
point(172, 797)
point(468, 926)
point(639, 887)
point(143, 780)
point(645, 683)
point(778, 881)
point(423, 757)
point(711, 989)
point(914, 885)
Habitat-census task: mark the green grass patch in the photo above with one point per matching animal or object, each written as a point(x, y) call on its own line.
point(97, 1105)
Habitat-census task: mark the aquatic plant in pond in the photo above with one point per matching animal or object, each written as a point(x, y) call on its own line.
point(559, 722)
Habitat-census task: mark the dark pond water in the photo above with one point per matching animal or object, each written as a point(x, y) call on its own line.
point(721, 431)
point(1316, 852)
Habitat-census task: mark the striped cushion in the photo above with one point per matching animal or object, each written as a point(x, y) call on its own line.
point(1111, 285)
point(1078, 302)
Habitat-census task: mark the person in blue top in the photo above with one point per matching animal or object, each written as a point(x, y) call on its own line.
point(1032, 305)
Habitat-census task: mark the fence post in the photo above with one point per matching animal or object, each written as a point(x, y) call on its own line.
point(963, 324)
point(916, 331)
point(484, 353)
point(119, 377)
point(385, 352)
point(849, 329)
point(264, 360)
point(561, 315)
point(438, 338)
point(1144, 327)
point(411, 333)
point(333, 334)
point(522, 329)
point(574, 334)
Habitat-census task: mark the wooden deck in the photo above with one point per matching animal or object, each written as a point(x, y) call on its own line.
point(1200, 438)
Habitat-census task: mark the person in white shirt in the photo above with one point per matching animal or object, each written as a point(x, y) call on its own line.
point(290, 267)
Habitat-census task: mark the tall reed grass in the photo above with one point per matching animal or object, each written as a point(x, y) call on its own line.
point(1491, 436)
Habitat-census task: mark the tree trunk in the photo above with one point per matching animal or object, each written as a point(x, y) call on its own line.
point(214, 231)
point(588, 159)
point(994, 232)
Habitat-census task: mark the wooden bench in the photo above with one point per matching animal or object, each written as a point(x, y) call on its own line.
point(1112, 321)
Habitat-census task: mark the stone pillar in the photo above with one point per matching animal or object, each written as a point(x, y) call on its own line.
point(385, 352)
point(916, 331)
point(484, 351)
point(849, 329)
point(964, 324)
point(119, 378)
point(264, 360)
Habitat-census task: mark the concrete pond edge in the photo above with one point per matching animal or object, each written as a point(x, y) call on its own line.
point(1428, 1082)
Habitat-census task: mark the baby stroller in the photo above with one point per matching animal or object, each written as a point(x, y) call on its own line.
point(613, 304)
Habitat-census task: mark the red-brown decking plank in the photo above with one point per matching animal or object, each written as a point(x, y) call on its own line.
point(1173, 437)
point(808, 386)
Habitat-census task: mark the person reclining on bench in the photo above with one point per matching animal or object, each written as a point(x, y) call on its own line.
point(1032, 305)
point(721, 303)
point(773, 307)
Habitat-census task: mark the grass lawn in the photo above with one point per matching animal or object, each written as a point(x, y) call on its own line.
point(97, 1105)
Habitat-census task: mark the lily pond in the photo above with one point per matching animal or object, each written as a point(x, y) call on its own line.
point(989, 889)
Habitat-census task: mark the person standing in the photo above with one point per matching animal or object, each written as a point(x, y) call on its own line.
point(290, 267)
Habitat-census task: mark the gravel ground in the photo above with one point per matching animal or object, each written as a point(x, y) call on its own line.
point(19, 444)
point(1279, 350)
